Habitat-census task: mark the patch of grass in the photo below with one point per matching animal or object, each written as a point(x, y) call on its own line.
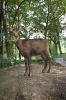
point(37, 59)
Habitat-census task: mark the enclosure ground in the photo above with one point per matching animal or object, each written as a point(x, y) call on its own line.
point(40, 86)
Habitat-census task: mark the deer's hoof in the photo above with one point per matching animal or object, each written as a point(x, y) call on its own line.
point(29, 74)
point(43, 71)
point(25, 74)
point(48, 71)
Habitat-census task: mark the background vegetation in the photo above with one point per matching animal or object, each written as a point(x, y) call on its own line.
point(32, 16)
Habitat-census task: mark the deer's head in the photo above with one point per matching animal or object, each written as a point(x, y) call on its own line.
point(15, 31)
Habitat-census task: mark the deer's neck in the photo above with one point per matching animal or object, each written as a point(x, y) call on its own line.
point(16, 39)
point(18, 43)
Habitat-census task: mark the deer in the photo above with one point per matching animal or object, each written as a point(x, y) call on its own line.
point(32, 47)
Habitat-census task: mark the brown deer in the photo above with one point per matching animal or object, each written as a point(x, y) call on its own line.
point(32, 47)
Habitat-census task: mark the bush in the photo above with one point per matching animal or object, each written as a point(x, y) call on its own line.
point(4, 63)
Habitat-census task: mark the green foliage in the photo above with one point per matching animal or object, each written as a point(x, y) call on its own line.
point(37, 59)
point(32, 16)
point(4, 63)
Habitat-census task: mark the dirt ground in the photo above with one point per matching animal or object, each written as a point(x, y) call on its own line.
point(40, 86)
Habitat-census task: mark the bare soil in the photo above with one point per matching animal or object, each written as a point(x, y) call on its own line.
point(40, 86)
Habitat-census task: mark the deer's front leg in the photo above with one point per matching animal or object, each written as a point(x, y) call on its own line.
point(49, 65)
point(26, 66)
point(44, 66)
point(29, 65)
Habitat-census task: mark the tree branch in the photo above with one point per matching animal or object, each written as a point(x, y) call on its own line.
point(16, 12)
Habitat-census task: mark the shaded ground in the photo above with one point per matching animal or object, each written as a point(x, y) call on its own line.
point(40, 86)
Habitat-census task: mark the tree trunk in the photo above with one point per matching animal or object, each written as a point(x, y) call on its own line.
point(58, 43)
point(47, 20)
point(46, 28)
point(56, 50)
point(18, 28)
point(6, 35)
point(59, 46)
point(1, 30)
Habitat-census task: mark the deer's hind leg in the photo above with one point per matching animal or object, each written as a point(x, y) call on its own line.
point(49, 61)
point(26, 66)
point(45, 66)
point(29, 65)
point(46, 59)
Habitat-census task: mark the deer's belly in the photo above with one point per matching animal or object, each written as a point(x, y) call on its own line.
point(35, 52)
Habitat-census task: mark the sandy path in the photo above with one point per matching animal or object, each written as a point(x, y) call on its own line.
point(40, 86)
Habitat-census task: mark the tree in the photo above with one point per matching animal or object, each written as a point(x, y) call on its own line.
point(32, 16)
point(1, 29)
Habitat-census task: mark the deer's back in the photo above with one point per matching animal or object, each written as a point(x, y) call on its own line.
point(35, 45)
